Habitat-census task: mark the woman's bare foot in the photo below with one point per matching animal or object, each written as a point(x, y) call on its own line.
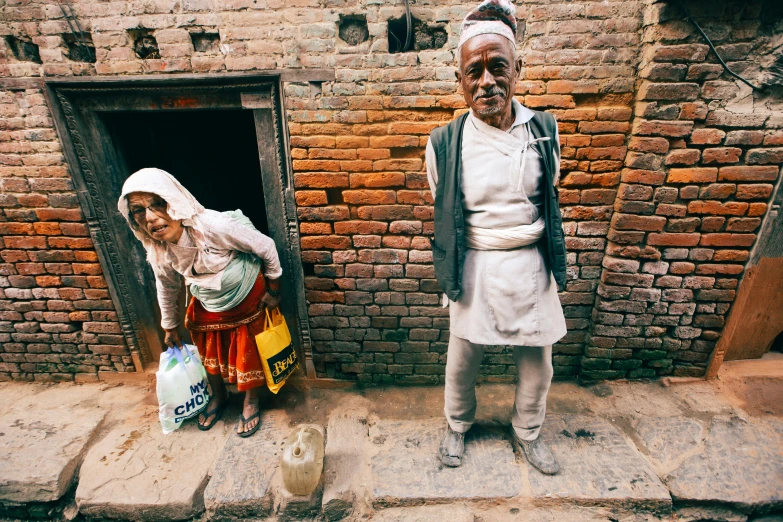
point(250, 411)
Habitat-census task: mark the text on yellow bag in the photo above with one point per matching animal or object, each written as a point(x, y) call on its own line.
point(277, 353)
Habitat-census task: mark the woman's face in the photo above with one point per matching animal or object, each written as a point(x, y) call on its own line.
point(150, 212)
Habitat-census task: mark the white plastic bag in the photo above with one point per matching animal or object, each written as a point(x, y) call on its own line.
point(181, 386)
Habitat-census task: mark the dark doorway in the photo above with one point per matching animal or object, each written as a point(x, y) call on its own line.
point(223, 137)
point(214, 154)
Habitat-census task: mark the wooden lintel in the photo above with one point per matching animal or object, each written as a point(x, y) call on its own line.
point(285, 75)
point(16, 84)
point(307, 75)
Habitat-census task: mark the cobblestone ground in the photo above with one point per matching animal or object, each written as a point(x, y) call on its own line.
point(630, 451)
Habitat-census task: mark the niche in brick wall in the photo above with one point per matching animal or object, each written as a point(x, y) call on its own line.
point(353, 29)
point(206, 42)
point(774, 71)
point(144, 44)
point(81, 48)
point(424, 36)
point(334, 196)
point(23, 50)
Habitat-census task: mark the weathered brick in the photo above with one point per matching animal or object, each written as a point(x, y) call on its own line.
point(707, 136)
point(765, 156)
point(673, 239)
point(731, 208)
point(683, 157)
point(754, 191)
point(632, 222)
point(743, 137)
point(307, 198)
point(663, 128)
point(727, 240)
point(369, 197)
point(721, 155)
point(692, 175)
point(680, 53)
point(668, 91)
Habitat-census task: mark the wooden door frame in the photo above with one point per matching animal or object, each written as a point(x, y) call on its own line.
point(76, 101)
point(768, 245)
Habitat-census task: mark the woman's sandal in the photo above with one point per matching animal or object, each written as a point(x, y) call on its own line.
point(217, 412)
point(245, 421)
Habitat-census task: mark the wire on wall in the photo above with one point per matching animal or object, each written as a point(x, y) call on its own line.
point(77, 32)
point(712, 47)
point(409, 33)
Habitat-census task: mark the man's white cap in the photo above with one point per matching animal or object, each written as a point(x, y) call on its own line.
point(490, 17)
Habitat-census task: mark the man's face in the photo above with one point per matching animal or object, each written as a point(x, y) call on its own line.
point(150, 213)
point(488, 74)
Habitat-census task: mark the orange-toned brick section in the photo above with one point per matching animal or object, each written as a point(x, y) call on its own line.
point(698, 177)
point(57, 320)
point(371, 285)
point(667, 170)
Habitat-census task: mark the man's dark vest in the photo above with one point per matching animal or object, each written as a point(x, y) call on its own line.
point(448, 246)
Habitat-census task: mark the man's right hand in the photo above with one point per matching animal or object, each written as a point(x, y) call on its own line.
point(172, 338)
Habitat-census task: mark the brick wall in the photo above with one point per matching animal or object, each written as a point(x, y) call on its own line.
point(704, 154)
point(365, 206)
point(667, 168)
point(56, 318)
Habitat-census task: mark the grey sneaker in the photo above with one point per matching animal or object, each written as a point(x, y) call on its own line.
point(452, 448)
point(538, 454)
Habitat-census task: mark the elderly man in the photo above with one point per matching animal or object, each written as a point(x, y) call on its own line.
point(499, 248)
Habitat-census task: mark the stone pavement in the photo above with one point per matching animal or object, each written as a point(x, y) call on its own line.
point(638, 451)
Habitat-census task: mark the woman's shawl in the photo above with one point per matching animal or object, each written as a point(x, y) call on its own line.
point(181, 205)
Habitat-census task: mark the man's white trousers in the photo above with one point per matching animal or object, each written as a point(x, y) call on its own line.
point(534, 364)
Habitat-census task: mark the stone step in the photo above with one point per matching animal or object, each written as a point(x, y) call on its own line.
point(241, 485)
point(406, 470)
point(513, 512)
point(138, 473)
point(345, 472)
point(247, 482)
point(726, 461)
point(717, 464)
point(41, 451)
point(600, 467)
point(458, 513)
point(393, 463)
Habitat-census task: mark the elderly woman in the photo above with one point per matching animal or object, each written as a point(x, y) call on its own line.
point(232, 271)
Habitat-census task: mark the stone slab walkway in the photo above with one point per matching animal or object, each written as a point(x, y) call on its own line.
point(137, 473)
point(628, 452)
point(41, 451)
point(600, 466)
point(729, 460)
point(405, 467)
point(240, 486)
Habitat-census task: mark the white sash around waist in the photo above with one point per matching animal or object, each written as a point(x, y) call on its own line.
point(504, 239)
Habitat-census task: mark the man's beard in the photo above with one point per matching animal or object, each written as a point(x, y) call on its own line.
point(494, 109)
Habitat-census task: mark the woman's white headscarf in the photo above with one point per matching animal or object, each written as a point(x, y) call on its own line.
point(181, 205)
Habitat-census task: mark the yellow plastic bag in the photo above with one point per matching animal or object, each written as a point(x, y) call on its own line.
point(277, 353)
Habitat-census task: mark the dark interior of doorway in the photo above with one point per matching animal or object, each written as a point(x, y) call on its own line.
point(213, 153)
point(777, 344)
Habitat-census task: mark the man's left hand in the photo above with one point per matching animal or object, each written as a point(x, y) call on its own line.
point(269, 301)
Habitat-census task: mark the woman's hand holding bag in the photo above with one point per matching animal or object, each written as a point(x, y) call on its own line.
point(268, 301)
point(172, 338)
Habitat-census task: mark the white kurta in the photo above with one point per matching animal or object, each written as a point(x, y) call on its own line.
point(508, 296)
